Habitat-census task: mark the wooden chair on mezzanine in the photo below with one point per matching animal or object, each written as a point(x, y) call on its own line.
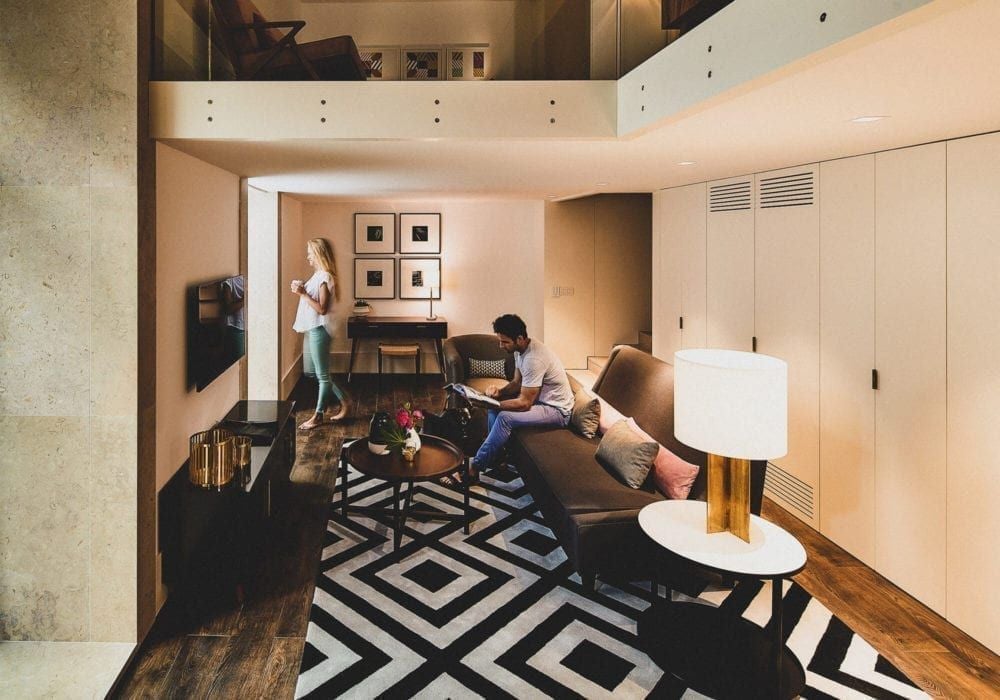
point(263, 50)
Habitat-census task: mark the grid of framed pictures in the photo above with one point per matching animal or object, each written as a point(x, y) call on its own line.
point(451, 62)
point(375, 234)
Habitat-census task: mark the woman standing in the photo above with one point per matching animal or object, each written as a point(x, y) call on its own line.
point(316, 296)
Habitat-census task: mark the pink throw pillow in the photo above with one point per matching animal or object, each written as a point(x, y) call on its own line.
point(609, 416)
point(672, 475)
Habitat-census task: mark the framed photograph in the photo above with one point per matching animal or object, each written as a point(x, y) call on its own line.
point(419, 277)
point(374, 278)
point(374, 233)
point(380, 62)
point(422, 63)
point(420, 233)
point(467, 62)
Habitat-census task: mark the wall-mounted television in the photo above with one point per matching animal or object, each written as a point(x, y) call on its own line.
point(216, 328)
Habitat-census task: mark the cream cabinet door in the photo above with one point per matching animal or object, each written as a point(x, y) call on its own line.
point(973, 485)
point(847, 354)
point(667, 231)
point(692, 247)
point(910, 426)
point(786, 320)
point(730, 275)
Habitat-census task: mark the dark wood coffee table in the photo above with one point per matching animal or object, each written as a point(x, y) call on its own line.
point(436, 458)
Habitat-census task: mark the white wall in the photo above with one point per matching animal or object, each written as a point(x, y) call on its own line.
point(491, 264)
point(262, 294)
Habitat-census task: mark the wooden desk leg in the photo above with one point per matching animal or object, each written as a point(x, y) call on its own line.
point(439, 346)
point(467, 478)
point(354, 353)
point(343, 484)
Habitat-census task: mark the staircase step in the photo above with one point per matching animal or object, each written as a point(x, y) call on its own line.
point(584, 376)
point(596, 364)
point(645, 341)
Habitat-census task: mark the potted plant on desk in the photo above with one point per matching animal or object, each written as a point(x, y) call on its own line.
point(361, 308)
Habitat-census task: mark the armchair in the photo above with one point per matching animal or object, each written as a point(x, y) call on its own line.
point(259, 50)
point(458, 350)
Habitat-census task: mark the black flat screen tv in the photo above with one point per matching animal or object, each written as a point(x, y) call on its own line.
point(216, 328)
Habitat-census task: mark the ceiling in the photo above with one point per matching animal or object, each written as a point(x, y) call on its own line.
point(934, 74)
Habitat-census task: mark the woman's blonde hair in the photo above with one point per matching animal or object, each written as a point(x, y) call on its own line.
point(322, 251)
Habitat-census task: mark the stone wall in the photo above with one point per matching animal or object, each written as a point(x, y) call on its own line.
point(68, 338)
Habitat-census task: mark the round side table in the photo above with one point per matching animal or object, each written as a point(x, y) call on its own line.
point(715, 650)
point(436, 458)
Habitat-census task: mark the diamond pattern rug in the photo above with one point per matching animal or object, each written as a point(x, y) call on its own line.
point(501, 613)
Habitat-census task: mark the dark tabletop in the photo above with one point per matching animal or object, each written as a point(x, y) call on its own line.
point(436, 458)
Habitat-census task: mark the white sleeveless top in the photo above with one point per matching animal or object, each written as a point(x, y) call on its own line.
point(306, 317)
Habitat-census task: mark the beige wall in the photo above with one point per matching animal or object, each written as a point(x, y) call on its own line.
point(197, 240)
point(491, 263)
point(601, 248)
point(68, 203)
point(292, 249)
point(262, 294)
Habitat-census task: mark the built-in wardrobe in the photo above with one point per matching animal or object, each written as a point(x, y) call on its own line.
point(874, 277)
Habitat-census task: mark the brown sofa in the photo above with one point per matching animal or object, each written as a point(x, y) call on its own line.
point(591, 512)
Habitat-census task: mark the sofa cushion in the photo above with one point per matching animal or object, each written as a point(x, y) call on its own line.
point(671, 474)
point(575, 479)
point(609, 416)
point(627, 453)
point(486, 368)
point(586, 414)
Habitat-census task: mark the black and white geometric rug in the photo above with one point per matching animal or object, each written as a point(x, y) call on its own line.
point(500, 613)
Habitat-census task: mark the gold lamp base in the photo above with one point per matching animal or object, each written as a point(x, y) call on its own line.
point(729, 496)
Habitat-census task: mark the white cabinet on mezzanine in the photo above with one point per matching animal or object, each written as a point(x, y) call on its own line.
point(973, 486)
point(679, 300)
point(730, 264)
point(847, 354)
point(786, 322)
point(910, 343)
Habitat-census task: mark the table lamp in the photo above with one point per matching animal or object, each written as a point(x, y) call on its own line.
point(734, 406)
point(432, 278)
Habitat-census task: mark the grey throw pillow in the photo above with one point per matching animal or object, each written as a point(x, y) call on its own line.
point(627, 454)
point(486, 368)
point(586, 416)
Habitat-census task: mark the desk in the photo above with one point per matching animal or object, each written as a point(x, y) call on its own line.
point(715, 650)
point(392, 327)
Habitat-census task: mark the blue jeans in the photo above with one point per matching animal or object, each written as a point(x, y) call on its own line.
point(501, 423)
point(319, 353)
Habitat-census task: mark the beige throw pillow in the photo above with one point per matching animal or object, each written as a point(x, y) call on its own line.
point(627, 454)
point(586, 414)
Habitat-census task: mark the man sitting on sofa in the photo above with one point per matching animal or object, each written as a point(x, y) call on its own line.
point(539, 393)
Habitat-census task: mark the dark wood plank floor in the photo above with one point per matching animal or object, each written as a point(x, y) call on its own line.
point(254, 649)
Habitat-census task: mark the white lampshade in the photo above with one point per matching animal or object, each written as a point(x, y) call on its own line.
point(731, 403)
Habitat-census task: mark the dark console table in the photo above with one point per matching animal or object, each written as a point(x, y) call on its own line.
point(395, 327)
point(220, 532)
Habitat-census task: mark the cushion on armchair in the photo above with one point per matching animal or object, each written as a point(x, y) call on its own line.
point(486, 368)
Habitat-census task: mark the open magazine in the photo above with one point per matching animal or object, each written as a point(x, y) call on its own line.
point(472, 395)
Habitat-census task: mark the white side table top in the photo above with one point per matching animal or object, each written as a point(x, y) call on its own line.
point(679, 526)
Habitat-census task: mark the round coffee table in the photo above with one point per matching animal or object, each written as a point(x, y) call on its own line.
point(436, 458)
point(716, 651)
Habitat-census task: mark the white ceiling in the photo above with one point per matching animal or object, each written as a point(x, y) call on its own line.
point(935, 73)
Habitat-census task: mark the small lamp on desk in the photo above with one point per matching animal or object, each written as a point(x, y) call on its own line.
point(734, 406)
point(432, 278)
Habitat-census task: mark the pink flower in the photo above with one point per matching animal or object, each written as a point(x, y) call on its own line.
point(418, 414)
point(403, 419)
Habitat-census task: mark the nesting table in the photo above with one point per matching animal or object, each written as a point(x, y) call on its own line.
point(436, 458)
point(715, 650)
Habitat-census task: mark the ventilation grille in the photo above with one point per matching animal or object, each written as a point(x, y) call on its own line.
point(789, 489)
point(734, 196)
point(794, 190)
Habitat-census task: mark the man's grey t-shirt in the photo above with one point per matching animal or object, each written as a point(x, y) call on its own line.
point(539, 367)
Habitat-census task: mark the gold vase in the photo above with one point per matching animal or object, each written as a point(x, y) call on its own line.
point(212, 462)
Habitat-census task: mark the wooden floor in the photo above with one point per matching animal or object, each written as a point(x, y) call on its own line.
point(253, 650)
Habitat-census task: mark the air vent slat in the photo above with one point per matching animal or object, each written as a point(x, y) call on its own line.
point(732, 196)
point(790, 489)
point(794, 190)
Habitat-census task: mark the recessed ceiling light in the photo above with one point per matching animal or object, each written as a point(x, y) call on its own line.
point(550, 196)
point(868, 120)
point(602, 184)
point(686, 162)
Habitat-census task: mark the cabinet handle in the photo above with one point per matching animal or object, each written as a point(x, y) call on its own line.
point(875, 379)
point(681, 321)
point(753, 344)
